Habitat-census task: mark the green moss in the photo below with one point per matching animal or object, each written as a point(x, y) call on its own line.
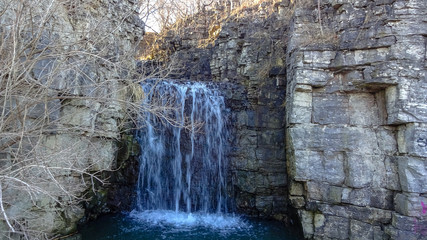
point(128, 147)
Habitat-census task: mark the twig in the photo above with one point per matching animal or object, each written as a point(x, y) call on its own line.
point(3, 211)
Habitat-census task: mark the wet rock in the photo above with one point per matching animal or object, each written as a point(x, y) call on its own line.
point(351, 109)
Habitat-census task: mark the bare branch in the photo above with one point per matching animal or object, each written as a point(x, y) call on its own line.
point(6, 218)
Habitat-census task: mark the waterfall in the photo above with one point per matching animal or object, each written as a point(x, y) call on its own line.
point(183, 164)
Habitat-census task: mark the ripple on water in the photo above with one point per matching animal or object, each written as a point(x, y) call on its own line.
point(170, 225)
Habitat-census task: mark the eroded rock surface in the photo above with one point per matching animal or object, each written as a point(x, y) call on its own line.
point(328, 118)
point(70, 88)
point(248, 57)
point(356, 119)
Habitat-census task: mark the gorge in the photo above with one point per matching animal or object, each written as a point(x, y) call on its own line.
point(325, 116)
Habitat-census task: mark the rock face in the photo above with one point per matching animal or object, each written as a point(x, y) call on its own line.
point(329, 117)
point(247, 56)
point(356, 119)
point(63, 92)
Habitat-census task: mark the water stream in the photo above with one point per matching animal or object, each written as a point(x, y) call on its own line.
point(183, 166)
point(183, 189)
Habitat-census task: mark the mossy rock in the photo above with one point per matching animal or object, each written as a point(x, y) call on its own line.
point(128, 147)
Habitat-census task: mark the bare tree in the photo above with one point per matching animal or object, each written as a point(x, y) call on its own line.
point(163, 14)
point(67, 89)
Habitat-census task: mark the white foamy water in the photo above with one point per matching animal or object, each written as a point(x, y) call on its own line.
point(183, 177)
point(170, 218)
point(183, 169)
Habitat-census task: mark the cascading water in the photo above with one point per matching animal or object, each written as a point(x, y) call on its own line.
point(183, 164)
point(182, 185)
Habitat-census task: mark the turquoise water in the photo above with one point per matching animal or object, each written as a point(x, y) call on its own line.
point(184, 171)
point(161, 224)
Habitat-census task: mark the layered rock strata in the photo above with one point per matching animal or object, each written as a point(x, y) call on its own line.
point(63, 94)
point(248, 57)
point(329, 117)
point(356, 119)
point(355, 112)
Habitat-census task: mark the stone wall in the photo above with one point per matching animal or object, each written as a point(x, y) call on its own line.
point(356, 119)
point(67, 87)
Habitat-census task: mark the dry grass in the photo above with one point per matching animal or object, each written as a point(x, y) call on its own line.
point(207, 23)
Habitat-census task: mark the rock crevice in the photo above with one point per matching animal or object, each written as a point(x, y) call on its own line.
point(355, 113)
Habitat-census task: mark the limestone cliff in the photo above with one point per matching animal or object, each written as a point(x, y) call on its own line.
point(356, 119)
point(245, 50)
point(65, 71)
point(345, 89)
point(329, 109)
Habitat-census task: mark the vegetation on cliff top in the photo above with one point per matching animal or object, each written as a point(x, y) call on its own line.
point(203, 20)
